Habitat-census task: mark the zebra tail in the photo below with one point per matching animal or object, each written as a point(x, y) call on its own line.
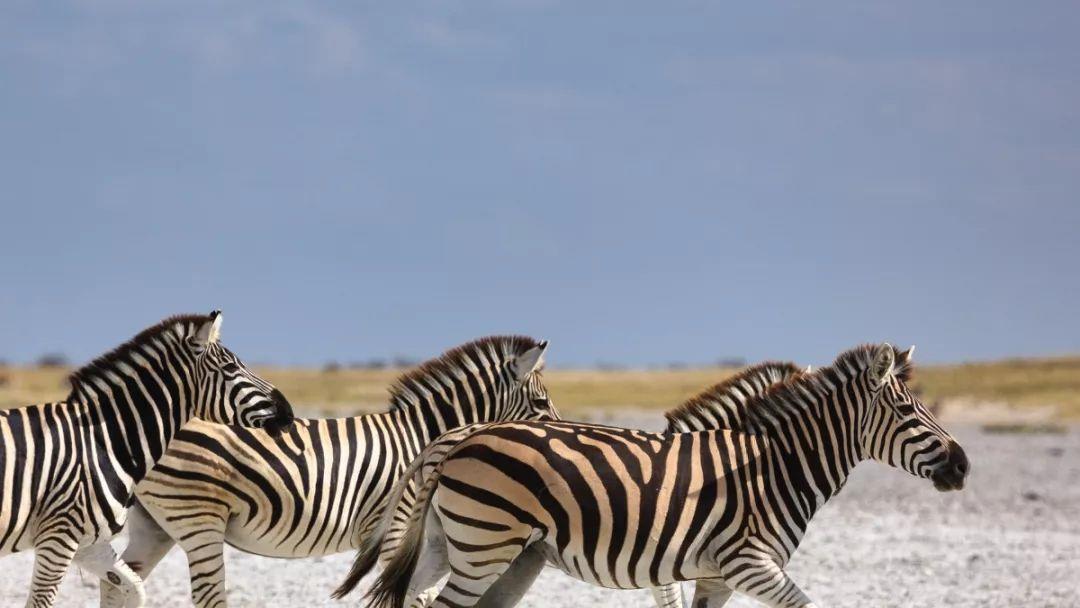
point(368, 553)
point(392, 585)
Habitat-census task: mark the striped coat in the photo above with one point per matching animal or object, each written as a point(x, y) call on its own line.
point(628, 509)
point(69, 469)
point(319, 487)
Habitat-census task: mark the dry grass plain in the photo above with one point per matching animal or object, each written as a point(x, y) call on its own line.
point(1052, 384)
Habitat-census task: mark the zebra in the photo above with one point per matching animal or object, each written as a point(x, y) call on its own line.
point(627, 509)
point(69, 468)
point(722, 405)
point(319, 488)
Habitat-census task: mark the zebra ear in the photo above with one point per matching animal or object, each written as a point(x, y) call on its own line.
point(904, 360)
point(884, 362)
point(530, 361)
point(210, 332)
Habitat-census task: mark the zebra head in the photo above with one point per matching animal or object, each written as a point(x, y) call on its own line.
point(229, 392)
point(901, 431)
point(527, 397)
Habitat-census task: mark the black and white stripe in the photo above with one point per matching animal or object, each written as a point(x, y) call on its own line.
point(68, 469)
point(319, 488)
point(630, 509)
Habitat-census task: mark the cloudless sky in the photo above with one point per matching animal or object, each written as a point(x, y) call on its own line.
point(637, 182)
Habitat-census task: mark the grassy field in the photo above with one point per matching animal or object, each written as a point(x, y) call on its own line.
point(1020, 383)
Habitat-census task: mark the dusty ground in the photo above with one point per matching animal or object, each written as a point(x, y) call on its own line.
point(1011, 539)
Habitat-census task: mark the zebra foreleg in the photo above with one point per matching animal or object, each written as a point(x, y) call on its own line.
point(668, 596)
point(52, 557)
point(101, 560)
point(433, 565)
point(710, 594)
point(148, 543)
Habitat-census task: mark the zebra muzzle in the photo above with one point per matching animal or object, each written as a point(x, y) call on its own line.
point(951, 474)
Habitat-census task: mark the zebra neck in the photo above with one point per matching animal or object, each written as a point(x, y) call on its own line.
point(420, 422)
point(817, 446)
point(131, 419)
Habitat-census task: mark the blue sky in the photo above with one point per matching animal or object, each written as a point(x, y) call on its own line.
point(637, 182)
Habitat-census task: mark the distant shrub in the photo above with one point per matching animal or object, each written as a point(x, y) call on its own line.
point(52, 360)
point(331, 367)
point(369, 364)
point(731, 362)
point(608, 366)
point(401, 361)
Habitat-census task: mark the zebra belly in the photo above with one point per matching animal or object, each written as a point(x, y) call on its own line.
point(284, 496)
point(290, 547)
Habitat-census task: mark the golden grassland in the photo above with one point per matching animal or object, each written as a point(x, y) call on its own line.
point(1021, 383)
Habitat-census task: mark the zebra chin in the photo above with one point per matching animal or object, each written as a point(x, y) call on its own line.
point(951, 474)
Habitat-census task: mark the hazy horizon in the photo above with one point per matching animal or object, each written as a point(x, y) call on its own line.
point(637, 184)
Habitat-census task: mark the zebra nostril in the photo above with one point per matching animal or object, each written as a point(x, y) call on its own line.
point(962, 468)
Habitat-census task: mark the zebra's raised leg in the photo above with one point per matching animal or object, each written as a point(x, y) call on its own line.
point(512, 585)
point(710, 594)
point(101, 560)
point(764, 581)
point(668, 596)
point(52, 557)
point(148, 543)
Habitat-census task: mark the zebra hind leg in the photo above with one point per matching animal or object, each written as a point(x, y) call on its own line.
point(486, 566)
point(206, 566)
point(668, 596)
point(52, 556)
point(101, 560)
point(767, 583)
point(517, 579)
point(710, 594)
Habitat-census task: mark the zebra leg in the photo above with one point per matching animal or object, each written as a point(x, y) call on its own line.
point(200, 532)
point(432, 566)
point(101, 560)
point(668, 596)
point(52, 556)
point(206, 566)
point(517, 579)
point(465, 588)
point(710, 594)
point(764, 581)
point(148, 543)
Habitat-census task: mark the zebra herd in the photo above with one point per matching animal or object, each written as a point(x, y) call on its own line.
point(470, 475)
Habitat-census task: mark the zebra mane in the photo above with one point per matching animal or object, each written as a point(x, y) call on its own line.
point(108, 360)
point(482, 354)
point(726, 400)
point(790, 395)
